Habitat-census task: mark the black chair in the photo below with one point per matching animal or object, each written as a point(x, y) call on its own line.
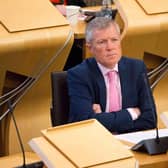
point(60, 100)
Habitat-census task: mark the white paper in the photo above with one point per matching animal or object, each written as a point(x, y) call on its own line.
point(136, 137)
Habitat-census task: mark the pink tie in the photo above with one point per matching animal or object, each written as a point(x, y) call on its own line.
point(114, 97)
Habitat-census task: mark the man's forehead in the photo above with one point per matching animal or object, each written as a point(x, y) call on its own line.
point(105, 33)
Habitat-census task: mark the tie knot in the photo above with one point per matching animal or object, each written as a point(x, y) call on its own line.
point(111, 74)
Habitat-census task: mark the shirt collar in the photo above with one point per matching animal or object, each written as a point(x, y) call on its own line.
point(105, 70)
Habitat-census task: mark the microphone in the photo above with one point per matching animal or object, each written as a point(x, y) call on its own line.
point(10, 107)
point(7, 98)
point(38, 164)
point(153, 146)
point(17, 93)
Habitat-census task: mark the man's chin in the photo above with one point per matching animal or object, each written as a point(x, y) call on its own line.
point(110, 65)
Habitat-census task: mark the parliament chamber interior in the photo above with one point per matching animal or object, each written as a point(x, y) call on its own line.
point(36, 40)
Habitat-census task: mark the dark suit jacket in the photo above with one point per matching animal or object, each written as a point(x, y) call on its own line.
point(87, 86)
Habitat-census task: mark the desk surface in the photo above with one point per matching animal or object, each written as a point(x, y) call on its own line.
point(153, 8)
point(145, 161)
point(79, 27)
point(149, 161)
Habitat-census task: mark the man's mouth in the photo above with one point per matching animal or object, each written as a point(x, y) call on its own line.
point(111, 55)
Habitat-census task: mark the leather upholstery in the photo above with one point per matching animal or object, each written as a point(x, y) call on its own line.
point(60, 99)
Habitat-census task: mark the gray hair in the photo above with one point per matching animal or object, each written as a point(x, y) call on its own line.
point(99, 23)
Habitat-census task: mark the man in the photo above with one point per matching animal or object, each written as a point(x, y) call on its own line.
point(89, 84)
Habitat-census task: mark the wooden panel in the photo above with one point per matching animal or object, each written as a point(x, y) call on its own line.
point(142, 32)
point(18, 15)
point(34, 54)
point(151, 7)
point(17, 159)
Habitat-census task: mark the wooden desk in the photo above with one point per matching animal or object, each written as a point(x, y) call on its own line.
point(142, 31)
point(17, 160)
point(149, 161)
point(145, 161)
point(79, 27)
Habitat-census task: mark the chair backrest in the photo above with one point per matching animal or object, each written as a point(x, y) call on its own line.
point(60, 100)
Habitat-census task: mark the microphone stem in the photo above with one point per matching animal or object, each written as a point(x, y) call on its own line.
point(157, 135)
point(17, 131)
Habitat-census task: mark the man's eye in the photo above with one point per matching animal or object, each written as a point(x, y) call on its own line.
point(102, 42)
point(114, 39)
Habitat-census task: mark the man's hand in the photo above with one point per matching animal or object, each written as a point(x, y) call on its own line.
point(135, 112)
point(96, 108)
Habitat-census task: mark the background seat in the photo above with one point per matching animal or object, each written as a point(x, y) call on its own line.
point(60, 99)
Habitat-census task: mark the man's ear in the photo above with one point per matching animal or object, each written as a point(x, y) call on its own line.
point(88, 45)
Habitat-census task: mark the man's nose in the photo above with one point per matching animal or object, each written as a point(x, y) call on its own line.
point(110, 44)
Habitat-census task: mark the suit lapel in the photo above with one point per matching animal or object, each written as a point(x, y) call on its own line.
point(99, 84)
point(102, 90)
point(123, 80)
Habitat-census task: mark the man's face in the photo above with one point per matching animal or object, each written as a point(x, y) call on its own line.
point(106, 46)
